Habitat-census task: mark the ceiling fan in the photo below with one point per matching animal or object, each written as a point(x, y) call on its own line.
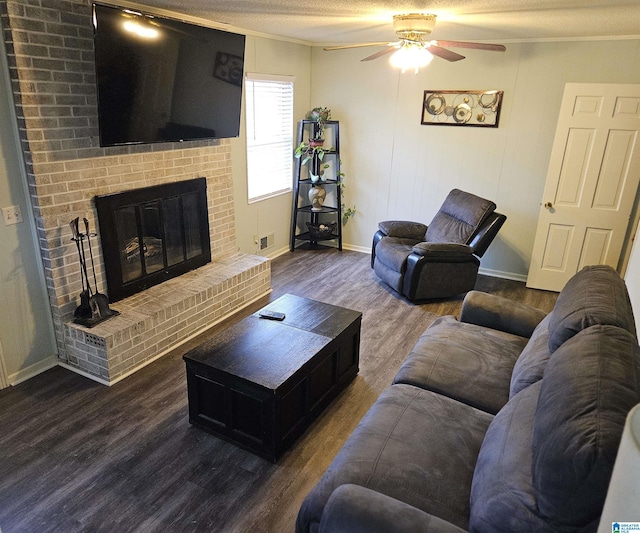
point(412, 30)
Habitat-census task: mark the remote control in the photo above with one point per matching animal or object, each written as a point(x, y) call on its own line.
point(271, 315)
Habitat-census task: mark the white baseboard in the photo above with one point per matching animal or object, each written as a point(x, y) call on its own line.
point(33, 370)
point(349, 247)
point(76, 370)
point(278, 253)
point(353, 248)
point(503, 275)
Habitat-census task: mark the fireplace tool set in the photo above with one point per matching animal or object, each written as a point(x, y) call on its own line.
point(94, 306)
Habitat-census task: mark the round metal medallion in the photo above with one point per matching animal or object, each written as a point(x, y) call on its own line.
point(462, 113)
point(435, 104)
point(489, 101)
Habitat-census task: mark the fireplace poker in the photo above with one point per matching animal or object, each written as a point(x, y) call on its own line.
point(95, 310)
point(84, 309)
point(99, 298)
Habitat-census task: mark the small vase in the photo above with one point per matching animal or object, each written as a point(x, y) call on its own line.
point(317, 194)
point(314, 178)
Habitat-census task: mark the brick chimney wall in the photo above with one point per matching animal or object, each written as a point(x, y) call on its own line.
point(50, 53)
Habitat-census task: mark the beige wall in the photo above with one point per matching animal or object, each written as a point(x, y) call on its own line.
point(265, 56)
point(65, 168)
point(398, 169)
point(27, 344)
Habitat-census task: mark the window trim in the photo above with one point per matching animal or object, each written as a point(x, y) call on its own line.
point(253, 76)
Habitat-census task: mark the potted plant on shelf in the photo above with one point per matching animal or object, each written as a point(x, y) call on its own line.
point(307, 151)
point(319, 115)
point(313, 148)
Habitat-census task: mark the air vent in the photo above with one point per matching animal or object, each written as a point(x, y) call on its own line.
point(266, 241)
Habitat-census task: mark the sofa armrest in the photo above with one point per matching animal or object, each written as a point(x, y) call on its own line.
point(403, 229)
point(500, 313)
point(443, 251)
point(357, 509)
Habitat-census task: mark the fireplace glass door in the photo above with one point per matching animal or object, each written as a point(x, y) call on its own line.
point(152, 234)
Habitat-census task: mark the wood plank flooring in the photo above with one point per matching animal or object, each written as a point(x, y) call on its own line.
point(79, 456)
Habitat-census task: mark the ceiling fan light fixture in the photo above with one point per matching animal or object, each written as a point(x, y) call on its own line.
point(414, 48)
point(414, 23)
point(411, 56)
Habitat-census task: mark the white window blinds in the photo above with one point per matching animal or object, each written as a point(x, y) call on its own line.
point(269, 114)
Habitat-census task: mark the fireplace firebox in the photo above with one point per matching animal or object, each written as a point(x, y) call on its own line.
point(153, 234)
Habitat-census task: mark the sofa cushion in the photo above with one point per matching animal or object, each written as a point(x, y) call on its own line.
point(590, 384)
point(391, 277)
point(532, 361)
point(413, 445)
point(393, 252)
point(459, 217)
point(466, 362)
point(595, 295)
point(355, 509)
point(502, 498)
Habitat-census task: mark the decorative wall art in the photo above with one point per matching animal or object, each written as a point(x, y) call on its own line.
point(462, 108)
point(228, 67)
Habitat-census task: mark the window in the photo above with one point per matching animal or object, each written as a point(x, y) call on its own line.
point(269, 135)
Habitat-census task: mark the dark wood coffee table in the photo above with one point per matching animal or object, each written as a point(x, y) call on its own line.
point(260, 383)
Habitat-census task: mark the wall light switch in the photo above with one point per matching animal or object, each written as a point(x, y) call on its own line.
point(11, 215)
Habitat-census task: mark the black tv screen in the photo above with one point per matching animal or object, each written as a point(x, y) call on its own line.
point(162, 80)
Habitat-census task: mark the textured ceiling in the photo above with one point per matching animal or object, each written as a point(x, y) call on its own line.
point(358, 21)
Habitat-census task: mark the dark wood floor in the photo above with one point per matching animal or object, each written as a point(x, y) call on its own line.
point(78, 456)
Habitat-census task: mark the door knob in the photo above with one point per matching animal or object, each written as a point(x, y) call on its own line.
point(548, 205)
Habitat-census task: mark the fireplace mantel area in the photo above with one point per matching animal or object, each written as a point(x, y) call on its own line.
point(50, 54)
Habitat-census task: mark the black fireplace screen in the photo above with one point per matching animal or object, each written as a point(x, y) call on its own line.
point(153, 234)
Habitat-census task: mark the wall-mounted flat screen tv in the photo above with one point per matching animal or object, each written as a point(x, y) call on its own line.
point(163, 80)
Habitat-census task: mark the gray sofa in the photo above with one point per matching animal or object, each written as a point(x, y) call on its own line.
point(506, 420)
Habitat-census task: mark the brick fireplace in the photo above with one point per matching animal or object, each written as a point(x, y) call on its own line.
point(50, 53)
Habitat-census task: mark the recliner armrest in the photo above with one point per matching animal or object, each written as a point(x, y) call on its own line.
point(357, 509)
point(447, 251)
point(500, 313)
point(403, 229)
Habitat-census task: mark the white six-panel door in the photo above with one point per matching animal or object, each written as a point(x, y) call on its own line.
point(591, 184)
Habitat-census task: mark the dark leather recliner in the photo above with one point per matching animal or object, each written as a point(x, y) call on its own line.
point(439, 260)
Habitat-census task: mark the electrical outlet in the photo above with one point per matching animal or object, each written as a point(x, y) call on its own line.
point(12, 215)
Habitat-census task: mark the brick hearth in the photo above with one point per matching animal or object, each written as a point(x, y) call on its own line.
point(157, 320)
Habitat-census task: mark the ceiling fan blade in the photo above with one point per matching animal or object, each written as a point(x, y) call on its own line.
point(449, 55)
point(380, 53)
point(360, 45)
point(477, 46)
